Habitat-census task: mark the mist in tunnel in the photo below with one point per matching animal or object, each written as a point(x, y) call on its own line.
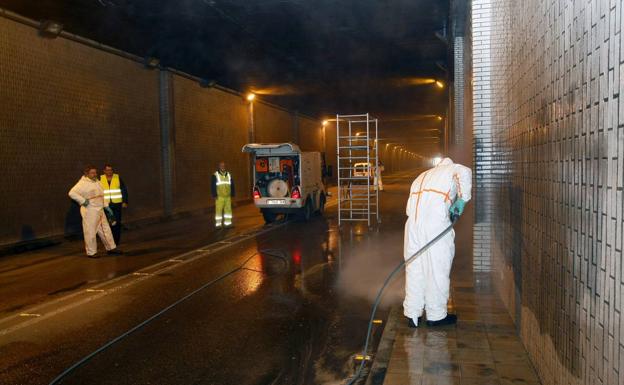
point(365, 270)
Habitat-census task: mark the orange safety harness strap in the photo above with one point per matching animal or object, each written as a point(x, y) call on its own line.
point(459, 191)
point(419, 195)
point(444, 194)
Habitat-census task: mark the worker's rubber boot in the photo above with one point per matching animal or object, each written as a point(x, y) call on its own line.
point(114, 251)
point(410, 322)
point(450, 319)
point(94, 256)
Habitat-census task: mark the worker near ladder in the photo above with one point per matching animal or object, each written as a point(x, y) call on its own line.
point(222, 191)
point(116, 194)
point(378, 170)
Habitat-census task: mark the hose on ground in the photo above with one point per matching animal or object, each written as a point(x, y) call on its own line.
point(401, 265)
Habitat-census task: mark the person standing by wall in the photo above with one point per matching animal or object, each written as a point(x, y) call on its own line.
point(116, 195)
point(88, 193)
point(434, 196)
point(223, 191)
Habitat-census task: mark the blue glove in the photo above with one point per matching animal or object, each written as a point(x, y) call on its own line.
point(85, 203)
point(110, 216)
point(457, 208)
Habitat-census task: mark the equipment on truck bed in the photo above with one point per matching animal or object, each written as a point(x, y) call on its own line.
point(286, 180)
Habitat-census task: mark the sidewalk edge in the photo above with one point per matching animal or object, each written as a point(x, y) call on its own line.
point(384, 350)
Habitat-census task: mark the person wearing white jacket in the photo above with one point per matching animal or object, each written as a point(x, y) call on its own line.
point(89, 195)
point(433, 196)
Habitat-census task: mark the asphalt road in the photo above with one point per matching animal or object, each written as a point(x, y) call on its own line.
point(281, 305)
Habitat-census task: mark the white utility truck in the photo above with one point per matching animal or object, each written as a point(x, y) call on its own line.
point(286, 180)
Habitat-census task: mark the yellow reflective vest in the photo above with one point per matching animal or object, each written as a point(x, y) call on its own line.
point(224, 184)
point(112, 191)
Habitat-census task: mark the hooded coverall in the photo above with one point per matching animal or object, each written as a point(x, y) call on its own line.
point(427, 278)
point(93, 218)
point(223, 191)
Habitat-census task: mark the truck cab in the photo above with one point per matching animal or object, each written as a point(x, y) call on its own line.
point(286, 180)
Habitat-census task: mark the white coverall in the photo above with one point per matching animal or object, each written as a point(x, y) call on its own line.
point(378, 182)
point(93, 218)
point(427, 277)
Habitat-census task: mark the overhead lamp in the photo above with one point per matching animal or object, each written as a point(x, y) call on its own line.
point(325, 123)
point(151, 62)
point(207, 83)
point(250, 97)
point(439, 117)
point(439, 84)
point(49, 28)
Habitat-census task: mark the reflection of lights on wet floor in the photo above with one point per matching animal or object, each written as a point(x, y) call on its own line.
point(296, 257)
point(359, 229)
point(251, 279)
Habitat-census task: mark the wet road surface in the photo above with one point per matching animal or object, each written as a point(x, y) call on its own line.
point(287, 306)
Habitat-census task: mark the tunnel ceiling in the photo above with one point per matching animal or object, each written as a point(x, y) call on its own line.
point(316, 56)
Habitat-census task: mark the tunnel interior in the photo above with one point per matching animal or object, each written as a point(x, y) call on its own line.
point(527, 94)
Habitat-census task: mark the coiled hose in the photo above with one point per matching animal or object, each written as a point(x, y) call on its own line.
point(401, 265)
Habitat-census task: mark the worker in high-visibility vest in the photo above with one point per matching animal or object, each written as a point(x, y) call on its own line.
point(116, 194)
point(222, 191)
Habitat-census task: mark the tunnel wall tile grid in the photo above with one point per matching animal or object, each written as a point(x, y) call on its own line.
point(556, 142)
point(458, 90)
point(65, 104)
point(484, 177)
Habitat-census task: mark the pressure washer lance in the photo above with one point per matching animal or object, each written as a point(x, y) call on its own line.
point(358, 373)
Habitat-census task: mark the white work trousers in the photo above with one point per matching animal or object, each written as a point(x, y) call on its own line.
point(94, 223)
point(428, 276)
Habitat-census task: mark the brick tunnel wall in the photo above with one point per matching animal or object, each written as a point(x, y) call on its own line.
point(548, 80)
point(210, 126)
point(62, 106)
point(65, 104)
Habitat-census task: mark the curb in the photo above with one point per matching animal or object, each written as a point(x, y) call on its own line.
point(384, 349)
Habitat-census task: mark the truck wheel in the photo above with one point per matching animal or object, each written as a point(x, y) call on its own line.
point(269, 217)
point(306, 211)
point(321, 209)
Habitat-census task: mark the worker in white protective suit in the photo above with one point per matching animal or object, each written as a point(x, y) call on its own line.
point(88, 193)
point(433, 196)
point(378, 181)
